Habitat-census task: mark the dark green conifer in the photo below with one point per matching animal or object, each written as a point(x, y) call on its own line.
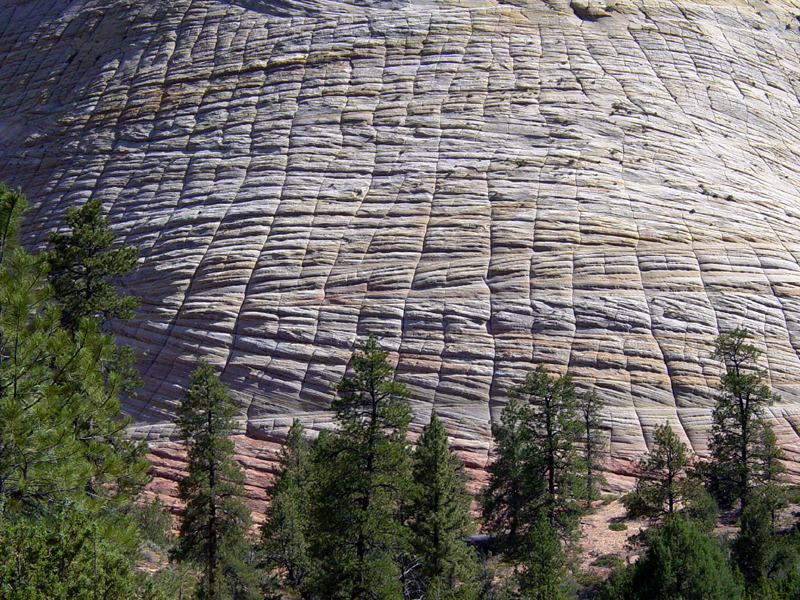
point(65, 555)
point(85, 266)
point(592, 447)
point(215, 521)
point(743, 453)
point(680, 563)
point(61, 426)
point(361, 473)
point(663, 484)
point(440, 519)
point(284, 533)
point(12, 207)
point(67, 471)
point(554, 429)
point(529, 504)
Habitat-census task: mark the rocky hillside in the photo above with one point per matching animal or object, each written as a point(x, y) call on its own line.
point(486, 184)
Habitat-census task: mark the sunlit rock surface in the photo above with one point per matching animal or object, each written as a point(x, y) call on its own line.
point(485, 185)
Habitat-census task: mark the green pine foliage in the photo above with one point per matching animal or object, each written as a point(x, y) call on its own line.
point(65, 555)
point(12, 208)
point(154, 522)
point(663, 484)
point(215, 521)
point(743, 451)
point(592, 447)
point(553, 427)
point(361, 473)
point(529, 504)
point(61, 426)
point(440, 521)
point(67, 471)
point(285, 531)
point(85, 266)
point(767, 559)
point(680, 563)
point(509, 500)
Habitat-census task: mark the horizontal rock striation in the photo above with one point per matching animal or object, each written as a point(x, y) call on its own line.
point(487, 185)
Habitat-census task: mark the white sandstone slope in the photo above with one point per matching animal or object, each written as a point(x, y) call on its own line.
point(487, 185)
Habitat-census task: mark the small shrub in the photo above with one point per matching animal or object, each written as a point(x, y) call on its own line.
point(588, 584)
point(154, 522)
point(618, 527)
point(608, 561)
point(635, 505)
point(608, 499)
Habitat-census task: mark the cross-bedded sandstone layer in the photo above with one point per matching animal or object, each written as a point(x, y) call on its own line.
point(487, 185)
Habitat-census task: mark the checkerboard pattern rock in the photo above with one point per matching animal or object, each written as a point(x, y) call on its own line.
point(485, 184)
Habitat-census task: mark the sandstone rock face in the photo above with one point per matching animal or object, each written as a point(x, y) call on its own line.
point(487, 185)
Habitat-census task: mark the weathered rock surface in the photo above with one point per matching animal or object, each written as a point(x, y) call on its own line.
point(487, 185)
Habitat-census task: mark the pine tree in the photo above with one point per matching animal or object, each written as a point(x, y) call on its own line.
point(592, 446)
point(743, 453)
point(529, 504)
point(284, 533)
point(761, 552)
point(554, 428)
point(680, 563)
point(663, 484)
point(361, 473)
point(61, 426)
point(84, 268)
point(12, 207)
point(67, 471)
point(510, 501)
point(440, 519)
point(215, 521)
point(64, 555)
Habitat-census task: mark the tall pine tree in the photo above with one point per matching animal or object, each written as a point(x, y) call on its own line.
point(285, 531)
point(215, 521)
point(361, 473)
point(529, 504)
point(592, 447)
point(743, 452)
point(61, 426)
point(440, 520)
point(67, 471)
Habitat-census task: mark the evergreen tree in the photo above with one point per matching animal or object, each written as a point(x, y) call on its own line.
point(680, 563)
point(360, 475)
point(440, 519)
point(84, 268)
point(12, 207)
point(767, 558)
point(67, 471)
point(284, 533)
point(64, 555)
point(743, 453)
point(771, 491)
point(215, 521)
point(592, 444)
point(61, 426)
point(529, 504)
point(510, 502)
point(553, 427)
point(663, 484)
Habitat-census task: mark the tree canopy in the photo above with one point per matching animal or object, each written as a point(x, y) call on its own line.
point(215, 520)
point(85, 268)
point(361, 474)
